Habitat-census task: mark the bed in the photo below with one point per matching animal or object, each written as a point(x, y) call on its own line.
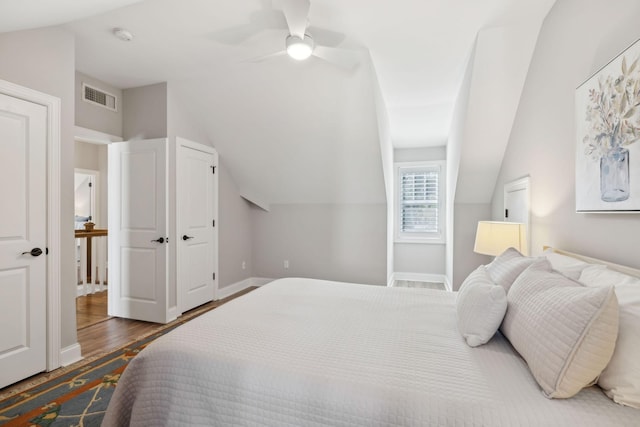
point(303, 352)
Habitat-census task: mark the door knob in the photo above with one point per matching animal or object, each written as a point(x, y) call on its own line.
point(185, 237)
point(34, 252)
point(159, 240)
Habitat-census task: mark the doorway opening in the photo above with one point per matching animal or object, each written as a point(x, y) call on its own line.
point(90, 248)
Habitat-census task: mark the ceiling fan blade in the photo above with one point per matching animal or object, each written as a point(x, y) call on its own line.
point(296, 13)
point(268, 57)
point(326, 37)
point(346, 59)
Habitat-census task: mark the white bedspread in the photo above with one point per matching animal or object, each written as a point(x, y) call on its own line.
point(301, 352)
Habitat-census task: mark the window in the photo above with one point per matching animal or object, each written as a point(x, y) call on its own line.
point(420, 202)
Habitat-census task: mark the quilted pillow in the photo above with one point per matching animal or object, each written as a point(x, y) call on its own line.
point(507, 266)
point(480, 307)
point(621, 378)
point(566, 332)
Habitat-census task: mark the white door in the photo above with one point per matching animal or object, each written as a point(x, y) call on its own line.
point(23, 165)
point(196, 195)
point(516, 205)
point(138, 248)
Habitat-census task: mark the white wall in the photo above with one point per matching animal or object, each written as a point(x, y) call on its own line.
point(578, 37)
point(325, 241)
point(44, 60)
point(386, 157)
point(91, 116)
point(454, 153)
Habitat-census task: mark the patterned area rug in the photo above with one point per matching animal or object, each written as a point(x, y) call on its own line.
point(79, 397)
point(79, 394)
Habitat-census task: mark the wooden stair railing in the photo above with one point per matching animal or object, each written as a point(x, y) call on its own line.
point(93, 259)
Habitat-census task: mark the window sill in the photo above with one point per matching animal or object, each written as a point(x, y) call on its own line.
point(421, 241)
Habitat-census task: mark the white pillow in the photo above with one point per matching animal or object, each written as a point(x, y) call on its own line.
point(621, 378)
point(570, 267)
point(480, 307)
point(566, 332)
point(507, 266)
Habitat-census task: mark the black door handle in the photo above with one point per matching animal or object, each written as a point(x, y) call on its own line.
point(160, 240)
point(33, 252)
point(185, 237)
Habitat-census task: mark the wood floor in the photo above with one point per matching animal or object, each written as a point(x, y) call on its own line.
point(104, 333)
point(100, 334)
point(414, 284)
point(91, 309)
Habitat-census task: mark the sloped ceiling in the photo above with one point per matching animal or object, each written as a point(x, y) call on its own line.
point(300, 132)
point(27, 14)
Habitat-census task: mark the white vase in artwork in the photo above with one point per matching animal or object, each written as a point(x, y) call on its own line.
point(614, 175)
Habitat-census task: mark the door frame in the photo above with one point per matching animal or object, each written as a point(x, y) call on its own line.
point(182, 142)
point(53, 276)
point(95, 195)
point(520, 184)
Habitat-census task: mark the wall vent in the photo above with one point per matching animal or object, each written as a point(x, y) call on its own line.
point(99, 97)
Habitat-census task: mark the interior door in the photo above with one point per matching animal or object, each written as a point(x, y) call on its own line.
point(196, 195)
point(138, 248)
point(23, 287)
point(516, 205)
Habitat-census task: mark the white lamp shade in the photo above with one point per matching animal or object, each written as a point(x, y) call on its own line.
point(494, 237)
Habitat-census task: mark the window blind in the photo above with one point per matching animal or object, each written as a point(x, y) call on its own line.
point(419, 200)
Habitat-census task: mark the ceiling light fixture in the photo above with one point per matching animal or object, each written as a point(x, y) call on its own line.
point(299, 49)
point(123, 34)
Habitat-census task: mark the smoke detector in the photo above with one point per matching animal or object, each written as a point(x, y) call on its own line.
point(123, 34)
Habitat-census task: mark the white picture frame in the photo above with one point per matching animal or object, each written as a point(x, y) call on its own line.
point(608, 136)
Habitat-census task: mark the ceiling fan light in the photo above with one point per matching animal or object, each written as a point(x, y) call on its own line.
point(299, 49)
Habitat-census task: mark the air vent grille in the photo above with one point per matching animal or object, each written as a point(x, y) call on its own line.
point(99, 97)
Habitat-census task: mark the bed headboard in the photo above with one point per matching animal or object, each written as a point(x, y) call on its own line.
point(617, 267)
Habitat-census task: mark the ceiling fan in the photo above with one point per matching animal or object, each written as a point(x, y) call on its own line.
point(301, 42)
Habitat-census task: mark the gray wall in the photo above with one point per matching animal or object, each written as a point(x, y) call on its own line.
point(423, 258)
point(234, 219)
point(454, 149)
point(94, 157)
point(144, 112)
point(466, 217)
point(44, 60)
point(324, 241)
point(235, 232)
point(87, 155)
point(578, 37)
point(91, 116)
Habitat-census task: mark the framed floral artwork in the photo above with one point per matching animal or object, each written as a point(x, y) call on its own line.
point(607, 132)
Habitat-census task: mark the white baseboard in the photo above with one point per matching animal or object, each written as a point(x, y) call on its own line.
point(70, 354)
point(420, 277)
point(260, 281)
point(447, 284)
point(227, 291)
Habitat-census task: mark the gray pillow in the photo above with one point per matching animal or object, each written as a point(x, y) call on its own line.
point(507, 266)
point(480, 307)
point(566, 332)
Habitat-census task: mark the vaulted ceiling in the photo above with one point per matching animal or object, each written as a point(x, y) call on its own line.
point(292, 132)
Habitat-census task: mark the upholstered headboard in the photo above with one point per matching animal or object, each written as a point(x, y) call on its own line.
point(617, 267)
